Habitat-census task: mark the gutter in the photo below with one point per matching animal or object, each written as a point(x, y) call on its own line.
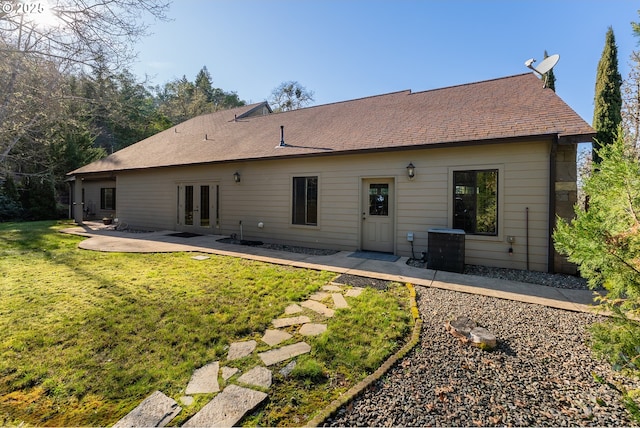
point(322, 153)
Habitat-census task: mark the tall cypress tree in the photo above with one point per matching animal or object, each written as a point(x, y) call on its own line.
point(551, 78)
point(608, 98)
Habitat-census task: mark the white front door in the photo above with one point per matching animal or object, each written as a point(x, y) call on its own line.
point(377, 215)
point(196, 205)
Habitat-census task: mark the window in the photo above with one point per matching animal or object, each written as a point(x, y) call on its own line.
point(379, 199)
point(188, 205)
point(305, 201)
point(217, 205)
point(475, 204)
point(205, 207)
point(108, 198)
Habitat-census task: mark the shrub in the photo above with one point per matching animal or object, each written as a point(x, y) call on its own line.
point(39, 200)
point(605, 242)
point(9, 209)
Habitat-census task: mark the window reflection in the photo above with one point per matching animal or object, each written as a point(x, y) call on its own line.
point(379, 199)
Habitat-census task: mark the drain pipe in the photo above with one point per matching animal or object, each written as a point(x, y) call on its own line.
point(526, 219)
point(552, 204)
point(241, 230)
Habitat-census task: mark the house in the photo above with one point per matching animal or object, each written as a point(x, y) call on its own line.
point(495, 158)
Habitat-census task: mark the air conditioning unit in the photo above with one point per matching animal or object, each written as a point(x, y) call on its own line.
point(445, 250)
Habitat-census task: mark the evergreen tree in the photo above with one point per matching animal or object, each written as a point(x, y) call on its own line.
point(10, 207)
point(38, 199)
point(551, 78)
point(204, 84)
point(608, 97)
point(135, 115)
point(99, 91)
point(605, 242)
point(216, 98)
point(181, 99)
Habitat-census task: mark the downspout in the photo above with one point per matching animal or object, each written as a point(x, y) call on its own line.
point(552, 204)
point(526, 219)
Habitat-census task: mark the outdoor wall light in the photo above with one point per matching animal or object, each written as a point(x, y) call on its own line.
point(236, 177)
point(411, 171)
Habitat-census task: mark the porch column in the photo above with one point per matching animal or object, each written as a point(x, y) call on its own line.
point(78, 204)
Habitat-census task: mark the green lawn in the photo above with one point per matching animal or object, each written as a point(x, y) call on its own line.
point(86, 335)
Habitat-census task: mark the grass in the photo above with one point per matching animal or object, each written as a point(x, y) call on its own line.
point(358, 341)
point(88, 335)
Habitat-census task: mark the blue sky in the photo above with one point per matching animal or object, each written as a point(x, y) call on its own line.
point(354, 48)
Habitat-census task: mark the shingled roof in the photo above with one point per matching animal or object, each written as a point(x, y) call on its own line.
point(507, 108)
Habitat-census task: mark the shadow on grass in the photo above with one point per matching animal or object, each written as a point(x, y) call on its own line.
point(91, 334)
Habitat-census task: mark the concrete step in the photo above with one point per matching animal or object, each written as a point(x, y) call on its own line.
point(274, 337)
point(227, 408)
point(286, 322)
point(204, 380)
point(354, 292)
point(239, 350)
point(311, 329)
point(318, 307)
point(257, 376)
point(281, 354)
point(157, 410)
point(339, 301)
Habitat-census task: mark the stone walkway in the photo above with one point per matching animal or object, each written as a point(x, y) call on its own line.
point(242, 392)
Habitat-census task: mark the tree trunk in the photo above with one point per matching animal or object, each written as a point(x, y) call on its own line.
point(467, 331)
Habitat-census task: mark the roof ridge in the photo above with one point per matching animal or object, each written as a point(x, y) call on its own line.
point(471, 83)
point(408, 91)
point(394, 121)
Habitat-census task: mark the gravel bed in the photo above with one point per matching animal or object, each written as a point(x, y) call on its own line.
point(301, 250)
point(542, 373)
point(280, 247)
point(540, 278)
point(556, 280)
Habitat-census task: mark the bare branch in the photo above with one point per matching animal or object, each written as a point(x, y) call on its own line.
point(34, 56)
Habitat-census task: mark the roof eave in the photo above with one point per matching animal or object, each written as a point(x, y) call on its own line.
point(573, 139)
point(576, 139)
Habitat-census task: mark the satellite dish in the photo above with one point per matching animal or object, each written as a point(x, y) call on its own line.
point(544, 67)
point(547, 64)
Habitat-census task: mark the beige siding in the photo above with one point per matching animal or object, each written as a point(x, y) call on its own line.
point(148, 198)
point(92, 199)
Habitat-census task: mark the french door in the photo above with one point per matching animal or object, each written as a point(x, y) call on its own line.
point(197, 205)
